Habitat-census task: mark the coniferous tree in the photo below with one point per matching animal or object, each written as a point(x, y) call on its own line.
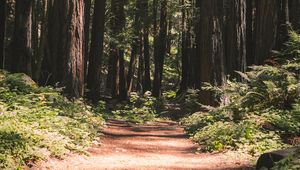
point(146, 46)
point(235, 37)
point(161, 50)
point(210, 47)
point(116, 78)
point(294, 13)
point(250, 31)
point(65, 60)
point(265, 29)
point(2, 31)
point(96, 51)
point(22, 40)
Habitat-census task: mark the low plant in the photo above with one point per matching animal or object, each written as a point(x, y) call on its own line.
point(253, 115)
point(38, 122)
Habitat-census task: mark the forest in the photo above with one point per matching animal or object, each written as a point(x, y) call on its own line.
point(150, 84)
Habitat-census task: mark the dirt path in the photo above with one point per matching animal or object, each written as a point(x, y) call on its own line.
point(145, 147)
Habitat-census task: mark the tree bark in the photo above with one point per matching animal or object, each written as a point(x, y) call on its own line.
point(2, 31)
point(294, 12)
point(235, 37)
point(283, 24)
point(135, 46)
point(65, 60)
point(161, 50)
point(184, 54)
point(147, 77)
point(265, 29)
point(116, 70)
point(87, 33)
point(96, 51)
point(210, 46)
point(74, 68)
point(22, 47)
point(249, 31)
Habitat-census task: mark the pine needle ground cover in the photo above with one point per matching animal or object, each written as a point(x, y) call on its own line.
point(38, 122)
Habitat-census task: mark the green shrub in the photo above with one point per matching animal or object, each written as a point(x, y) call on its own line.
point(253, 114)
point(38, 122)
point(140, 109)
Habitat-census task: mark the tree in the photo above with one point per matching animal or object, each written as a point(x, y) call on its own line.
point(87, 28)
point(161, 50)
point(96, 51)
point(210, 47)
point(66, 45)
point(235, 37)
point(147, 78)
point(283, 24)
point(294, 13)
point(21, 44)
point(185, 58)
point(74, 66)
point(136, 46)
point(116, 77)
point(2, 31)
point(250, 31)
point(265, 29)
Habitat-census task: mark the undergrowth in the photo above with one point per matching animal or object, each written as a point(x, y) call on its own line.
point(254, 115)
point(38, 122)
point(139, 109)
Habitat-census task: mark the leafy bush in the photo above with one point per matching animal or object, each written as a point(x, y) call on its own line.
point(255, 113)
point(140, 109)
point(38, 122)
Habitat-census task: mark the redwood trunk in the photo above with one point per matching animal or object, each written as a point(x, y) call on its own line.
point(161, 50)
point(21, 48)
point(96, 51)
point(74, 52)
point(2, 32)
point(294, 12)
point(265, 29)
point(235, 46)
point(210, 46)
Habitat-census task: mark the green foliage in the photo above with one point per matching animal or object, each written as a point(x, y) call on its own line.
point(255, 113)
point(140, 109)
point(37, 122)
point(244, 136)
point(290, 163)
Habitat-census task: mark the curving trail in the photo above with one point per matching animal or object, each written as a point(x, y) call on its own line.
point(162, 145)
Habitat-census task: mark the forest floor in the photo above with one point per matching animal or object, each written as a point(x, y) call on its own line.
point(161, 145)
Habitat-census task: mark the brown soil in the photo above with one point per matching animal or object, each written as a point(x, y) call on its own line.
point(162, 145)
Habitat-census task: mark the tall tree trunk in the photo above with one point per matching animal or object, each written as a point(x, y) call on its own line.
point(265, 29)
point(42, 51)
point(74, 68)
point(22, 49)
point(283, 24)
point(249, 31)
point(294, 12)
point(2, 31)
point(135, 46)
point(66, 45)
point(235, 37)
point(161, 50)
point(96, 51)
point(184, 54)
point(147, 78)
point(54, 62)
point(210, 46)
point(118, 81)
point(87, 23)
